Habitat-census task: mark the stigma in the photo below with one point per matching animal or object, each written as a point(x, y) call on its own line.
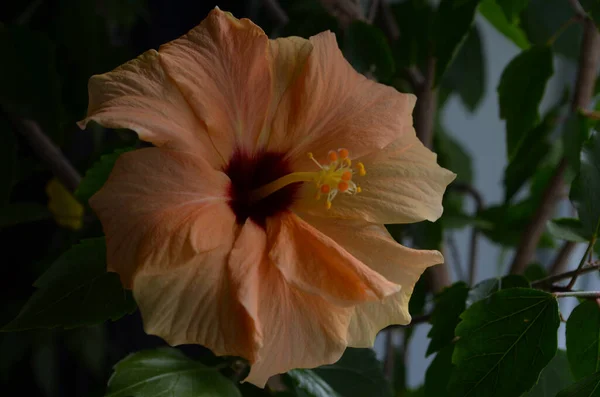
point(333, 177)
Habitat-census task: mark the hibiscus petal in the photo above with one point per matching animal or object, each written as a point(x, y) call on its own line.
point(222, 68)
point(299, 330)
point(140, 96)
point(330, 106)
point(159, 209)
point(373, 245)
point(197, 304)
point(313, 262)
point(403, 184)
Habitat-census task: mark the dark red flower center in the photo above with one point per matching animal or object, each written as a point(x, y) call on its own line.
point(249, 172)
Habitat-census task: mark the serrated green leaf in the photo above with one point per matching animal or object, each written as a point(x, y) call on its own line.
point(439, 372)
point(494, 14)
point(554, 377)
point(452, 22)
point(97, 175)
point(569, 229)
point(586, 387)
point(529, 155)
point(512, 8)
point(576, 131)
point(76, 290)
point(585, 189)
point(166, 371)
point(503, 343)
point(583, 339)
point(467, 74)
point(308, 383)
point(367, 50)
point(520, 92)
point(358, 373)
point(449, 304)
point(484, 289)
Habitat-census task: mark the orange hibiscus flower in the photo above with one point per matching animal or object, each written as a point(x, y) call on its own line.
point(255, 226)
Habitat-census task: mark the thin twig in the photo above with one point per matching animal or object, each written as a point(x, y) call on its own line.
point(48, 152)
point(276, 12)
point(548, 281)
point(425, 108)
point(451, 242)
point(589, 59)
point(373, 11)
point(578, 294)
point(562, 258)
point(581, 263)
point(576, 5)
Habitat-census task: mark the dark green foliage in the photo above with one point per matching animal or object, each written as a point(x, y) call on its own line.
point(306, 383)
point(569, 229)
point(75, 291)
point(8, 160)
point(452, 22)
point(439, 372)
point(583, 339)
point(486, 288)
point(554, 377)
point(585, 189)
point(367, 49)
point(512, 8)
point(449, 304)
point(358, 373)
point(520, 91)
point(576, 131)
point(504, 343)
point(494, 14)
point(587, 387)
point(166, 371)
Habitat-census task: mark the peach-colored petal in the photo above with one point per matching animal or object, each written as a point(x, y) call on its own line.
point(373, 245)
point(314, 263)
point(330, 106)
point(140, 96)
point(197, 303)
point(288, 57)
point(159, 209)
point(403, 184)
point(222, 68)
point(299, 330)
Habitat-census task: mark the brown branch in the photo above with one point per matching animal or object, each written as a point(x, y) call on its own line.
point(390, 354)
point(562, 258)
point(548, 281)
point(276, 12)
point(373, 11)
point(425, 108)
point(589, 59)
point(47, 151)
point(451, 243)
point(390, 27)
point(576, 5)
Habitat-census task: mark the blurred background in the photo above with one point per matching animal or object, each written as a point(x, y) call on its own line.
point(50, 48)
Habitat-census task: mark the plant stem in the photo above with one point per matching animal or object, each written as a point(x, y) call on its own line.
point(551, 279)
point(578, 294)
point(581, 263)
point(560, 262)
point(589, 59)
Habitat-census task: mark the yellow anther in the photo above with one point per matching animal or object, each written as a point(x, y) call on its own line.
point(328, 204)
point(310, 155)
point(358, 189)
point(361, 169)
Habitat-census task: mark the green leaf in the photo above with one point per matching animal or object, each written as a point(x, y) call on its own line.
point(554, 377)
point(8, 160)
point(18, 213)
point(166, 371)
point(466, 75)
point(576, 131)
point(484, 289)
point(308, 383)
point(96, 176)
point(452, 155)
point(528, 156)
point(569, 229)
point(367, 49)
point(504, 342)
point(587, 387)
point(449, 304)
point(76, 290)
point(414, 20)
point(541, 19)
point(494, 14)
point(535, 272)
point(439, 372)
point(583, 339)
point(585, 189)
point(358, 373)
point(29, 79)
point(520, 92)
point(512, 8)
point(452, 22)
